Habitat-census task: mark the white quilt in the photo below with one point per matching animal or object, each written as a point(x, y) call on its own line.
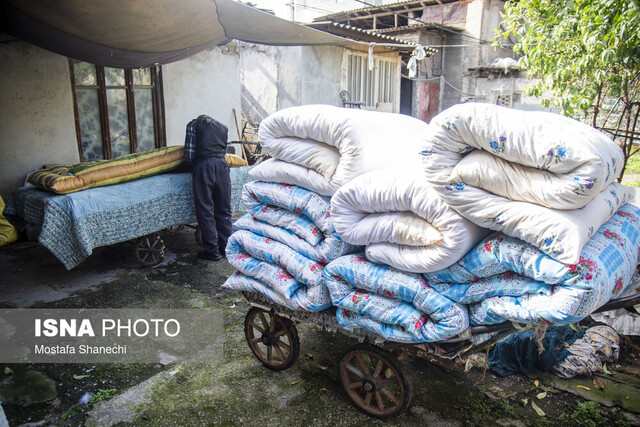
point(402, 221)
point(544, 178)
point(322, 147)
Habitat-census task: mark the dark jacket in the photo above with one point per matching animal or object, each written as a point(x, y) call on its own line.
point(211, 139)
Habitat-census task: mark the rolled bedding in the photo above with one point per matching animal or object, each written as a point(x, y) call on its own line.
point(537, 176)
point(396, 305)
point(322, 147)
point(402, 220)
point(281, 246)
point(504, 278)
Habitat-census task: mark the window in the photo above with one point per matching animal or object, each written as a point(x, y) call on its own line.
point(378, 88)
point(505, 99)
point(118, 111)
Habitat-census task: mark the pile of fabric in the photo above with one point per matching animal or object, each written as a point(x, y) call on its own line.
point(565, 351)
point(505, 278)
point(486, 214)
point(566, 244)
point(321, 147)
point(397, 305)
point(280, 247)
point(541, 177)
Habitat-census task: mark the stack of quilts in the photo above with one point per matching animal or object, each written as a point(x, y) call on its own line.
point(390, 219)
point(280, 247)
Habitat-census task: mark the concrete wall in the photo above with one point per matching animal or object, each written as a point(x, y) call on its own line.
point(37, 118)
point(453, 60)
point(321, 75)
point(289, 81)
point(36, 112)
point(273, 78)
point(258, 81)
point(206, 83)
point(492, 21)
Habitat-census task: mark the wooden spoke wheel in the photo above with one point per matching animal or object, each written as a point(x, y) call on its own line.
point(374, 381)
point(271, 338)
point(149, 250)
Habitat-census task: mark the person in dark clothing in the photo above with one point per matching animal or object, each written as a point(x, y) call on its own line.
point(212, 187)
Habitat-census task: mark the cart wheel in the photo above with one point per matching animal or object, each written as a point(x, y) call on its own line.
point(150, 250)
point(271, 338)
point(374, 381)
point(198, 235)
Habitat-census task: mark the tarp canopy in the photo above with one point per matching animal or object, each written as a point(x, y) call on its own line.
point(139, 33)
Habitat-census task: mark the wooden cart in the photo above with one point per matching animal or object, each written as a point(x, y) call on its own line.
point(370, 372)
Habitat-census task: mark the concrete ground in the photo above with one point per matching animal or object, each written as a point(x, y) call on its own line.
point(235, 389)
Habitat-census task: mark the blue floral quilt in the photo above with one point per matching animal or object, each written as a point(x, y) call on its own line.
point(398, 306)
point(281, 246)
point(504, 278)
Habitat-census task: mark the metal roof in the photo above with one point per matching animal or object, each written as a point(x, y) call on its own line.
point(418, 27)
point(344, 30)
point(398, 7)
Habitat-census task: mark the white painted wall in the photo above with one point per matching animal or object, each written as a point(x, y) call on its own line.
point(289, 63)
point(206, 83)
point(36, 112)
point(321, 75)
point(259, 81)
point(274, 78)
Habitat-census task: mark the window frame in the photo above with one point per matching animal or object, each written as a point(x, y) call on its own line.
point(157, 100)
point(377, 87)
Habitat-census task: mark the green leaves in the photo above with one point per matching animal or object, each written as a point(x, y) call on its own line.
point(574, 45)
point(585, 55)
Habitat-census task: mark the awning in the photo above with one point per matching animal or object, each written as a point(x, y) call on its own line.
point(139, 33)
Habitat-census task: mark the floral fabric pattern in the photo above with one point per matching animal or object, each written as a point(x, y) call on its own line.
point(504, 278)
point(530, 175)
point(280, 247)
point(399, 306)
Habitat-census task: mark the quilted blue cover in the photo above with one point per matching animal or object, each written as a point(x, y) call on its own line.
point(281, 246)
point(504, 278)
point(397, 305)
point(72, 225)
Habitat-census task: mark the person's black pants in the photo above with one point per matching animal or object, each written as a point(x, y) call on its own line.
point(212, 197)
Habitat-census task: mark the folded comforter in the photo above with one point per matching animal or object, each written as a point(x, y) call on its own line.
point(504, 278)
point(402, 221)
point(321, 147)
point(398, 306)
point(281, 246)
point(540, 177)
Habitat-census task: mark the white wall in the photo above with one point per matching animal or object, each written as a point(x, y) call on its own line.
point(259, 80)
point(321, 75)
point(290, 76)
point(36, 112)
point(274, 78)
point(206, 83)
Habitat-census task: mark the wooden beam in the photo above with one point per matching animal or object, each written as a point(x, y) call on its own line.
point(384, 13)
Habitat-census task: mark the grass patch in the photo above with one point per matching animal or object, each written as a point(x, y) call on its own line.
point(633, 164)
point(480, 410)
point(588, 414)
